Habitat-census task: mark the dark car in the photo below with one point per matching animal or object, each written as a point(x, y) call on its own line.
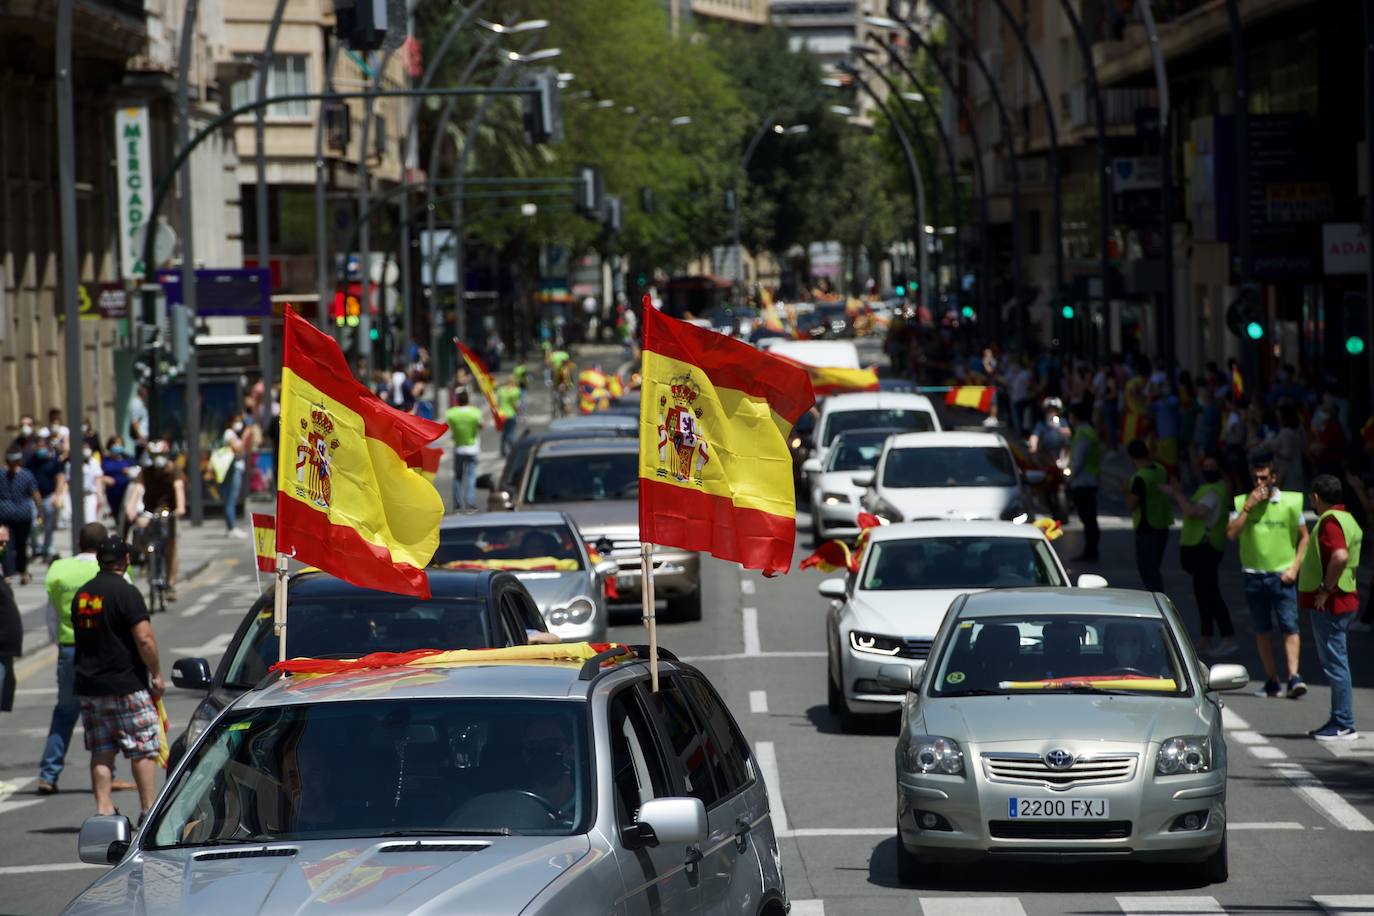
point(329, 617)
point(502, 490)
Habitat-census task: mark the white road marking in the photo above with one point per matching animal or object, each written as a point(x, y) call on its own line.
point(842, 831)
point(751, 630)
point(1231, 719)
point(214, 647)
point(35, 691)
point(972, 906)
point(746, 586)
point(39, 869)
point(758, 701)
point(1339, 811)
point(1267, 752)
point(808, 908)
point(200, 605)
point(1264, 825)
point(768, 763)
point(1147, 906)
point(1341, 904)
point(9, 786)
point(1249, 737)
point(736, 656)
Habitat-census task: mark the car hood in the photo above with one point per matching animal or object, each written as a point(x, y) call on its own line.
point(902, 612)
point(950, 502)
point(397, 876)
point(615, 518)
point(553, 589)
point(1030, 721)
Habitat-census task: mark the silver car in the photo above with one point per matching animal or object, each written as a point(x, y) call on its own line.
point(534, 787)
point(547, 553)
point(1062, 725)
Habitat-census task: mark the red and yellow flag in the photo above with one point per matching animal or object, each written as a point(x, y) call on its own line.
point(351, 498)
point(715, 473)
point(827, 380)
point(975, 397)
point(265, 541)
point(485, 383)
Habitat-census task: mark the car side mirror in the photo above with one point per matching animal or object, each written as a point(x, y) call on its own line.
point(1033, 477)
point(831, 588)
point(1090, 580)
point(674, 821)
point(485, 482)
point(1227, 677)
point(191, 674)
point(104, 839)
point(811, 466)
point(862, 479)
point(606, 568)
point(901, 677)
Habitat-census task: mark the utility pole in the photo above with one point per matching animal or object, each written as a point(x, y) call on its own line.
point(195, 484)
point(71, 258)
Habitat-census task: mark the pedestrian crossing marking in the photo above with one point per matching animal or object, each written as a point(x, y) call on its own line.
point(972, 906)
point(1150, 906)
point(808, 908)
point(1346, 904)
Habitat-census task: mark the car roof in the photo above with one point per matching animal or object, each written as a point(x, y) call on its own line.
point(485, 519)
point(593, 421)
point(868, 431)
point(1126, 602)
point(842, 354)
point(443, 583)
point(946, 439)
point(870, 400)
point(591, 446)
point(960, 529)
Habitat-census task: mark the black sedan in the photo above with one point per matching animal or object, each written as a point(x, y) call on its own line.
point(328, 617)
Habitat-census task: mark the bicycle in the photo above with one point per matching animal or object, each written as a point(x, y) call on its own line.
point(152, 549)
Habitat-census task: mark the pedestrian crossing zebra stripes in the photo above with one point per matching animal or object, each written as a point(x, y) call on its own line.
point(1159, 905)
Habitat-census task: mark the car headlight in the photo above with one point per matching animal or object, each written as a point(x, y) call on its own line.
point(873, 644)
point(933, 754)
point(886, 511)
point(834, 499)
point(1185, 754)
point(579, 610)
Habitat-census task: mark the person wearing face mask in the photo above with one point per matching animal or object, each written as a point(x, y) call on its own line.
point(18, 500)
point(234, 440)
point(48, 469)
point(24, 442)
point(118, 469)
point(1202, 544)
point(160, 485)
point(93, 482)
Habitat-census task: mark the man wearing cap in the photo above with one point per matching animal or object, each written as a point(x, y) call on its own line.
point(118, 676)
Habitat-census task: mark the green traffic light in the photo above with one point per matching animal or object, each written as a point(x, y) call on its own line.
point(1067, 311)
point(900, 290)
point(967, 311)
point(339, 320)
point(1354, 345)
point(372, 333)
point(352, 321)
point(1254, 330)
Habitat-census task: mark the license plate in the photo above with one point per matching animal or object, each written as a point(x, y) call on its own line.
point(1058, 809)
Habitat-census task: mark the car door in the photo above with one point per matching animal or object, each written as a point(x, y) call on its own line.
point(659, 880)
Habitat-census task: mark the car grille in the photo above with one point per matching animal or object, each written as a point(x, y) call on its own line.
point(914, 648)
point(1030, 769)
point(1059, 830)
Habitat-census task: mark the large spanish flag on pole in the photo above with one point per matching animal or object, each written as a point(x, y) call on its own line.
point(715, 471)
point(827, 380)
point(485, 383)
point(351, 496)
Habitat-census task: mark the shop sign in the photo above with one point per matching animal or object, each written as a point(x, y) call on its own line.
point(1345, 248)
point(135, 175)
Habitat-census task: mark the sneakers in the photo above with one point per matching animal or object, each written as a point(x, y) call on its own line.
point(237, 534)
point(1333, 732)
point(1296, 687)
point(1225, 648)
point(1270, 689)
point(47, 788)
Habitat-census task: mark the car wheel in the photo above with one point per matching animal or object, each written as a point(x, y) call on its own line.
point(816, 533)
point(687, 608)
point(911, 868)
point(1215, 869)
point(844, 719)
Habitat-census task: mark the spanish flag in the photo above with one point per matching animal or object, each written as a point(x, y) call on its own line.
point(827, 380)
point(715, 473)
point(485, 383)
point(351, 498)
point(975, 397)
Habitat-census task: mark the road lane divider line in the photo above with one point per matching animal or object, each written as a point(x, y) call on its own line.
point(216, 645)
point(758, 701)
point(199, 606)
point(40, 869)
point(768, 764)
point(1230, 719)
point(1149, 906)
point(746, 586)
point(808, 908)
point(1344, 904)
point(1264, 825)
point(1266, 752)
point(736, 656)
point(35, 691)
point(1327, 802)
point(842, 831)
point(751, 630)
point(972, 906)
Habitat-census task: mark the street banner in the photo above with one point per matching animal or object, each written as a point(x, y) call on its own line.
point(715, 470)
point(351, 497)
point(485, 383)
point(134, 171)
point(265, 541)
point(828, 380)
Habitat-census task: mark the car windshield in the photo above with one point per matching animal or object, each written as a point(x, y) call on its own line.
point(354, 625)
point(413, 767)
point(856, 452)
point(513, 547)
point(949, 466)
point(909, 420)
point(959, 562)
point(1059, 654)
point(574, 478)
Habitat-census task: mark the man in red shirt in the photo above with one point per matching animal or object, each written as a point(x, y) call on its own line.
point(1326, 587)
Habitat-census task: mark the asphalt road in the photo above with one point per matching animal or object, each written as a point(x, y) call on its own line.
point(1301, 812)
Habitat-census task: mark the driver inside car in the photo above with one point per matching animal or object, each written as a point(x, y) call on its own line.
point(1123, 647)
point(547, 753)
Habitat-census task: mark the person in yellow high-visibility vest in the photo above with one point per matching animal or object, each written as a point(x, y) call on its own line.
point(1201, 546)
point(1151, 514)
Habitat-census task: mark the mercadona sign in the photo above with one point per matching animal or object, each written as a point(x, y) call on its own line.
point(135, 186)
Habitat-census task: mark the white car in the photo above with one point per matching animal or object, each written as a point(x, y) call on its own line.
point(870, 410)
point(909, 574)
point(946, 475)
point(834, 495)
point(830, 354)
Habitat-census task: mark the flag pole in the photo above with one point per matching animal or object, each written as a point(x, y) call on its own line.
point(279, 606)
point(646, 556)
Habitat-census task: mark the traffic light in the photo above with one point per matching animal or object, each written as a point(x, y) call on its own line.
point(588, 191)
point(347, 309)
point(1354, 324)
point(899, 286)
point(1244, 316)
point(967, 311)
point(543, 110)
point(614, 221)
point(181, 334)
point(1067, 312)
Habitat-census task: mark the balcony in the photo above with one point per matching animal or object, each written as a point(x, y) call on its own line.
point(1119, 106)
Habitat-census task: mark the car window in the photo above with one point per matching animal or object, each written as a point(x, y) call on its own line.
point(460, 764)
point(949, 466)
point(591, 477)
point(508, 546)
point(727, 750)
point(903, 418)
point(959, 562)
point(1059, 654)
point(687, 741)
point(515, 465)
point(856, 453)
point(354, 625)
point(637, 769)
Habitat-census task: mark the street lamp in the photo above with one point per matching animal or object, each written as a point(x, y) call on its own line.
point(529, 25)
point(792, 130)
point(767, 125)
point(680, 121)
point(843, 111)
point(534, 57)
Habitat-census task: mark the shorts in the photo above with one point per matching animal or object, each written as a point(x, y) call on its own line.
point(125, 723)
point(1270, 600)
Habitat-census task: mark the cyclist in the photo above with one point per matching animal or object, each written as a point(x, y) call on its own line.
point(160, 485)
